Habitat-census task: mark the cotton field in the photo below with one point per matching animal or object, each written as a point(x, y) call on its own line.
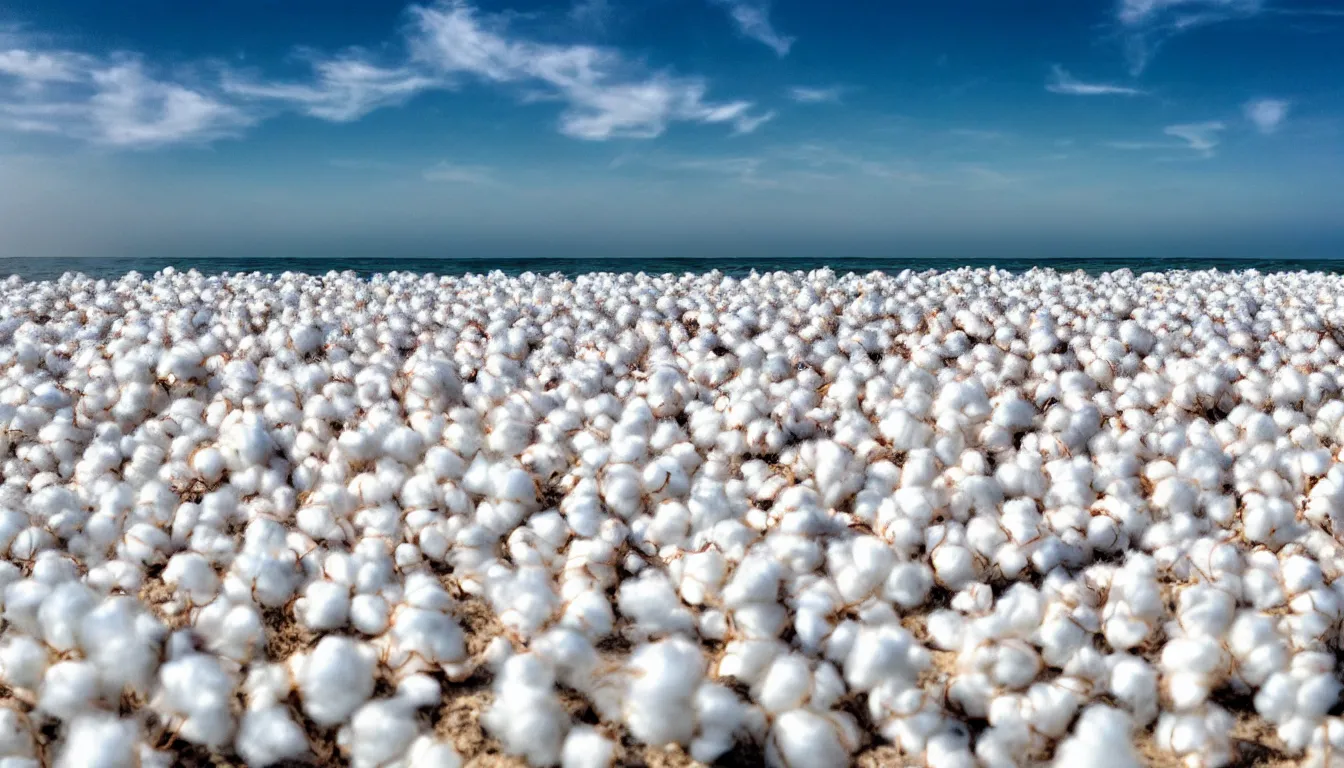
point(943, 519)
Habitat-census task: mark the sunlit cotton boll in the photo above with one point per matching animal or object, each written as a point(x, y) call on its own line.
point(526, 715)
point(335, 678)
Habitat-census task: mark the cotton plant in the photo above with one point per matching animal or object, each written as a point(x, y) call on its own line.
point(715, 513)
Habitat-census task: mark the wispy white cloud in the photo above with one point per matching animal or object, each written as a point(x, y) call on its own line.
point(117, 100)
point(35, 68)
point(741, 169)
point(452, 173)
point(822, 157)
point(606, 96)
point(753, 20)
point(343, 89)
point(1062, 82)
point(591, 13)
point(1200, 137)
point(1136, 12)
point(809, 95)
point(1147, 24)
point(114, 101)
point(131, 109)
point(1266, 114)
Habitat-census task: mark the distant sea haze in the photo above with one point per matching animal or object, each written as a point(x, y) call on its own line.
point(35, 269)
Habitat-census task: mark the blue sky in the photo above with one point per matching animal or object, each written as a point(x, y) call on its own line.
point(699, 126)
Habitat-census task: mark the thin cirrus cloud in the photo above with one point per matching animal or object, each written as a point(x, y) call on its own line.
point(752, 18)
point(807, 95)
point(117, 101)
point(1267, 115)
point(590, 13)
point(1200, 137)
point(1187, 12)
point(603, 100)
point(1147, 24)
point(1062, 82)
point(452, 173)
point(343, 89)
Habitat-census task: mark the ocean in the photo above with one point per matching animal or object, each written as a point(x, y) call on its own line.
point(35, 269)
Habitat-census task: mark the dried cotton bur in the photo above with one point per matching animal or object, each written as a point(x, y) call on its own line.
point(943, 519)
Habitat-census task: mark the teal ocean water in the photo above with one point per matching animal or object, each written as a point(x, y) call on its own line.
point(51, 269)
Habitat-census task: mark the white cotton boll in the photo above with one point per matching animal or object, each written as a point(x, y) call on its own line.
point(370, 614)
point(719, 715)
point(748, 660)
point(589, 612)
point(197, 689)
point(335, 678)
point(232, 630)
point(806, 738)
point(190, 575)
point(16, 736)
point(652, 604)
point(61, 612)
point(906, 716)
point(30, 541)
point(1123, 631)
point(946, 629)
point(428, 752)
point(123, 640)
point(1101, 739)
point(266, 685)
point(759, 620)
point(268, 736)
point(1134, 683)
point(69, 688)
point(786, 685)
point(403, 444)
point(1300, 574)
point(379, 733)
point(209, 464)
point(1317, 694)
point(585, 747)
point(1203, 737)
point(513, 484)
point(419, 691)
point(98, 741)
point(250, 440)
point(658, 703)
point(949, 750)
point(421, 637)
point(1016, 665)
point(882, 653)
point(527, 716)
point(23, 661)
point(145, 544)
point(700, 574)
point(325, 605)
point(954, 566)
point(1263, 589)
point(1260, 650)
point(443, 463)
